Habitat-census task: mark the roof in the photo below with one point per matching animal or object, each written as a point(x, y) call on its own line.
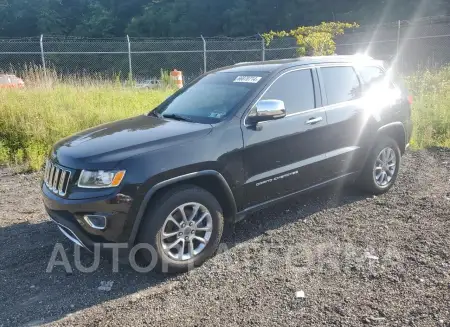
point(273, 65)
point(252, 67)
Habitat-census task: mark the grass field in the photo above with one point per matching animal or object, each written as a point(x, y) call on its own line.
point(431, 110)
point(33, 119)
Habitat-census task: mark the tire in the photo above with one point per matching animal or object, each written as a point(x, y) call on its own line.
point(368, 180)
point(157, 224)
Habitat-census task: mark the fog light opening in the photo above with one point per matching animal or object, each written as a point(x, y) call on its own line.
point(96, 221)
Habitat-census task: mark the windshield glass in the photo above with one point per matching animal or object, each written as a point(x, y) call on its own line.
point(211, 98)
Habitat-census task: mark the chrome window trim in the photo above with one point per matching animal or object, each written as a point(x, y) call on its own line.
point(356, 67)
point(338, 105)
point(310, 67)
point(270, 85)
point(323, 86)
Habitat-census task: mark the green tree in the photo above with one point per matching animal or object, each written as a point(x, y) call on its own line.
point(99, 22)
point(314, 40)
point(194, 17)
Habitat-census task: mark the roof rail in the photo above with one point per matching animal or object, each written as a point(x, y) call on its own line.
point(306, 58)
point(268, 61)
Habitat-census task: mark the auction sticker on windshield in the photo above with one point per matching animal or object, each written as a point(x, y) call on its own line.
point(247, 79)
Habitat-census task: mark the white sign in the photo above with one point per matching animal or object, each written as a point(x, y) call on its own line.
point(247, 79)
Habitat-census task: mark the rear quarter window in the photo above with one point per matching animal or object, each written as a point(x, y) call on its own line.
point(372, 76)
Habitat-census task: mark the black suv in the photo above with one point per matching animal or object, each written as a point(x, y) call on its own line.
point(231, 142)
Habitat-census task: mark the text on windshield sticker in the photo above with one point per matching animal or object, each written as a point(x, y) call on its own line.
point(247, 79)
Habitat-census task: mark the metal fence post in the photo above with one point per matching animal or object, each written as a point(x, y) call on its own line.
point(41, 42)
point(263, 43)
point(130, 68)
point(204, 54)
point(397, 57)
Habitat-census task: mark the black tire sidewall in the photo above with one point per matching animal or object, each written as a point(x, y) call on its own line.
point(151, 228)
point(367, 181)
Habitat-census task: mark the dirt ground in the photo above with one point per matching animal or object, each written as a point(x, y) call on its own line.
point(358, 260)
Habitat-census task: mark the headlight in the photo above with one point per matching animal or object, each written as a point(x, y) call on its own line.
point(100, 179)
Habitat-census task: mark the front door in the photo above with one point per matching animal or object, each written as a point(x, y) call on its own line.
point(283, 156)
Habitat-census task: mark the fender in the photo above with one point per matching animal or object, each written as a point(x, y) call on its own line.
point(160, 185)
point(380, 131)
point(397, 123)
point(394, 125)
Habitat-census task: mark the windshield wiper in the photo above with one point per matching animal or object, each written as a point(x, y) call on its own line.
point(177, 117)
point(154, 113)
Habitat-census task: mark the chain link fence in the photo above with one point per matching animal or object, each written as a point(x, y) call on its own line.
point(142, 58)
point(413, 45)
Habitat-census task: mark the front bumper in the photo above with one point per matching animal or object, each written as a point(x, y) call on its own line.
point(74, 234)
point(69, 214)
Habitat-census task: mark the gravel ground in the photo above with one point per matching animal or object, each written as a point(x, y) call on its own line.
point(359, 261)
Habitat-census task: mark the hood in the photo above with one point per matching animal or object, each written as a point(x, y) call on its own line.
point(104, 146)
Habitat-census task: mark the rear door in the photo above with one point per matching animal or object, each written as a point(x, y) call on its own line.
point(385, 96)
point(341, 89)
point(283, 156)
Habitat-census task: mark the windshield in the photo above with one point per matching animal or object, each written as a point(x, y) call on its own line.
point(211, 98)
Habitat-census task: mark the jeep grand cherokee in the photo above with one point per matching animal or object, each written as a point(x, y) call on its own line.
point(232, 142)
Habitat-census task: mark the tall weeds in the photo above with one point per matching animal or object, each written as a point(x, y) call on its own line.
point(52, 107)
point(49, 108)
point(431, 108)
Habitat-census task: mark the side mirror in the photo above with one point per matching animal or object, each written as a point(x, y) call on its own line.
point(266, 110)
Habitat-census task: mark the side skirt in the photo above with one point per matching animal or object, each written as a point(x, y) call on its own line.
point(242, 214)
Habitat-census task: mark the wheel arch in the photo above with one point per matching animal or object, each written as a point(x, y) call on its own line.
point(396, 131)
point(210, 180)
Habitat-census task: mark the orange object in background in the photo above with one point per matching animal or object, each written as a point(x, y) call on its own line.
point(11, 82)
point(177, 77)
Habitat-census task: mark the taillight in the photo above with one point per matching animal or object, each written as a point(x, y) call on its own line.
point(410, 99)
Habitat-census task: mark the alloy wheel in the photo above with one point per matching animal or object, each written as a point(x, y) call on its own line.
point(186, 231)
point(385, 166)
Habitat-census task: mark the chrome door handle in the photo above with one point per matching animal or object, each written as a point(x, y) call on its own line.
point(313, 121)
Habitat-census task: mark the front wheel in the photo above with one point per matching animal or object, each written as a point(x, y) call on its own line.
point(184, 226)
point(382, 167)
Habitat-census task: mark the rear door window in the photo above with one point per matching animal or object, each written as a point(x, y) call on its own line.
point(341, 84)
point(295, 89)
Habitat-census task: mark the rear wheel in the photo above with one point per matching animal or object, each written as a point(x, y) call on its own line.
point(382, 166)
point(184, 226)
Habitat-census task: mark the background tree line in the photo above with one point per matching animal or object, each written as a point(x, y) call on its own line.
point(171, 18)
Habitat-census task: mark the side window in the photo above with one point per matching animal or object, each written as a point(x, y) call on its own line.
point(295, 89)
point(371, 75)
point(341, 84)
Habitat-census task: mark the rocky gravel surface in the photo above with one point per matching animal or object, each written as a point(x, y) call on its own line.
point(336, 257)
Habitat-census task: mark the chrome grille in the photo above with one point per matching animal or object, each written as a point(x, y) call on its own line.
point(56, 178)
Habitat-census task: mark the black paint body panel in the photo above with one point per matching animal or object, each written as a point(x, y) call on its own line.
point(254, 166)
